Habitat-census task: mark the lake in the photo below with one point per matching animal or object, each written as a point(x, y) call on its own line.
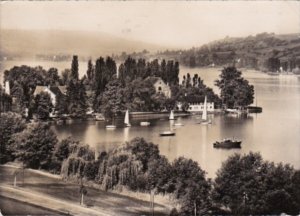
point(275, 132)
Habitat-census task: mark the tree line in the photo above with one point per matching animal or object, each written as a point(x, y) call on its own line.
point(265, 52)
point(109, 90)
point(245, 184)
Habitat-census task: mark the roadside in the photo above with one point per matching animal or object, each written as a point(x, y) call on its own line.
point(53, 193)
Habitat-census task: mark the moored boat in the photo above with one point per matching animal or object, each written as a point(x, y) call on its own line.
point(145, 123)
point(178, 124)
point(171, 117)
point(204, 118)
point(167, 133)
point(110, 126)
point(126, 120)
point(228, 143)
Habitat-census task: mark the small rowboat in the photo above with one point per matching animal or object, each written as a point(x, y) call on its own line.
point(178, 124)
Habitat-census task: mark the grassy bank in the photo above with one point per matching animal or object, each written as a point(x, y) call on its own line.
point(51, 187)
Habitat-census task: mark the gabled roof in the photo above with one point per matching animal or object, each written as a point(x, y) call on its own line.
point(154, 80)
point(57, 90)
point(63, 89)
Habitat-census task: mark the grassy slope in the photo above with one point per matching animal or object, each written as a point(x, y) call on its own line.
point(98, 199)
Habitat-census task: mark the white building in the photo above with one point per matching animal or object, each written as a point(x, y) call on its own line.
point(199, 107)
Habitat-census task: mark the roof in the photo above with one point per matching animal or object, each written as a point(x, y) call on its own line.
point(63, 89)
point(57, 90)
point(39, 89)
point(154, 80)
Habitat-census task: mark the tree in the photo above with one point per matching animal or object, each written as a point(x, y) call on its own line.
point(90, 70)
point(34, 146)
point(112, 100)
point(74, 68)
point(5, 101)
point(236, 92)
point(249, 185)
point(23, 81)
point(144, 151)
point(76, 98)
point(65, 148)
point(10, 124)
point(159, 174)
point(43, 105)
point(65, 76)
point(52, 76)
point(139, 95)
point(190, 187)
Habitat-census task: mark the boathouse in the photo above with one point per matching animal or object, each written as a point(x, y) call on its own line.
point(199, 107)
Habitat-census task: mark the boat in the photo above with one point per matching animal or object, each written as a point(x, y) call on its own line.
point(110, 126)
point(171, 117)
point(234, 111)
point(167, 133)
point(99, 117)
point(228, 143)
point(145, 123)
point(178, 124)
point(204, 119)
point(126, 120)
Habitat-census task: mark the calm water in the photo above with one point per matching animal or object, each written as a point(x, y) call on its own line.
point(275, 133)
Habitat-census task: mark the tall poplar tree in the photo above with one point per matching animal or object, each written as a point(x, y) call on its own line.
point(74, 68)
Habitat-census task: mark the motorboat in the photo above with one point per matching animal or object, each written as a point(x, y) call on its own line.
point(228, 143)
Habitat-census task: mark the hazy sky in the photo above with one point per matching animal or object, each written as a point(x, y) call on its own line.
point(173, 23)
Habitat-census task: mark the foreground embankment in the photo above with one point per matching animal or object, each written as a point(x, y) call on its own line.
point(52, 193)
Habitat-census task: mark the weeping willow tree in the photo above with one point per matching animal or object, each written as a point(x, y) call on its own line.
point(127, 165)
point(77, 164)
point(122, 168)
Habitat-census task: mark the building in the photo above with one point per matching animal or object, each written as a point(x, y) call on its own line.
point(199, 107)
point(55, 92)
point(160, 86)
point(7, 88)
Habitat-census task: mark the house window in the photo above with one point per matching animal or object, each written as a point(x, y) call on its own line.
point(159, 88)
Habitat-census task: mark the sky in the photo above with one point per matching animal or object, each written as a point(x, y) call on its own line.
point(179, 24)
